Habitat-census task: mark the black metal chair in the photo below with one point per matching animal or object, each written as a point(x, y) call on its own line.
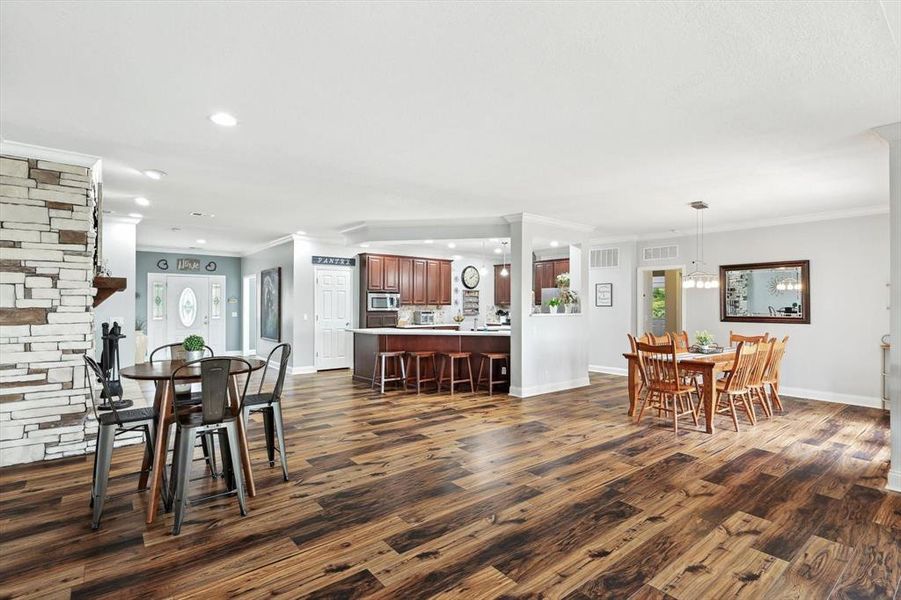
point(114, 417)
point(216, 416)
point(270, 404)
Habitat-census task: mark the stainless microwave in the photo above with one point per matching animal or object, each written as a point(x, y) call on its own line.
point(379, 301)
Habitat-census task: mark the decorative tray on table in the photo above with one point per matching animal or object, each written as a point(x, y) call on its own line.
point(714, 349)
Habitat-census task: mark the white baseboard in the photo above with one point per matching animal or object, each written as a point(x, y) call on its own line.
point(302, 370)
point(547, 388)
point(608, 370)
point(853, 399)
point(894, 480)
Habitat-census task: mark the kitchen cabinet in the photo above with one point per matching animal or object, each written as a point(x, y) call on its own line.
point(405, 279)
point(560, 266)
point(501, 287)
point(433, 281)
point(444, 287)
point(419, 281)
point(390, 277)
point(381, 319)
point(544, 275)
point(375, 273)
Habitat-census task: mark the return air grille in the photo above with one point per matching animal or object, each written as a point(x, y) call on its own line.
point(604, 257)
point(660, 252)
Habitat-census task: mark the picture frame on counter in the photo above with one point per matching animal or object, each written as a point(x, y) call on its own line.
point(603, 295)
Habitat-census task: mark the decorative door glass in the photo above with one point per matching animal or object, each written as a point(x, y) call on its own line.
point(216, 301)
point(187, 307)
point(159, 302)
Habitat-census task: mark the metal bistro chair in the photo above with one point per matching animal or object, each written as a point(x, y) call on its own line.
point(216, 416)
point(270, 404)
point(114, 417)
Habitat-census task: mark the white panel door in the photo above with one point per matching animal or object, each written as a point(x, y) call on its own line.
point(188, 308)
point(334, 306)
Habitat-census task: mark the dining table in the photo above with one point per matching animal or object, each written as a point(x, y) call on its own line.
point(708, 366)
point(160, 372)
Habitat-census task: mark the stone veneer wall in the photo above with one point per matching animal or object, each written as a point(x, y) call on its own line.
point(47, 239)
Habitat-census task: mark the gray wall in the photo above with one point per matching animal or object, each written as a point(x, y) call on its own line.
point(229, 266)
point(277, 256)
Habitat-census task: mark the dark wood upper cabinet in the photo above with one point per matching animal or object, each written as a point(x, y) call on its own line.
point(560, 266)
point(420, 278)
point(544, 275)
point(444, 288)
point(405, 276)
point(375, 273)
point(433, 281)
point(391, 276)
point(501, 287)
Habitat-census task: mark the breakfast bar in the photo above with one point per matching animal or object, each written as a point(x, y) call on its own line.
point(370, 341)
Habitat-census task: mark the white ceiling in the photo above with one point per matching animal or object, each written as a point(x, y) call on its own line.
point(616, 114)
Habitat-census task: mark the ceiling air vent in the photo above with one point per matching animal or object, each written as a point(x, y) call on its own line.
point(604, 257)
point(660, 252)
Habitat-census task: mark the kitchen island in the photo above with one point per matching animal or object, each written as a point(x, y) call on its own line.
point(369, 341)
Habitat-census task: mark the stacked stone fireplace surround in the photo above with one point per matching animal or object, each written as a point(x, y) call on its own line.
point(47, 238)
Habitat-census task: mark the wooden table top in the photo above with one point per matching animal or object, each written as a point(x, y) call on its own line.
point(159, 370)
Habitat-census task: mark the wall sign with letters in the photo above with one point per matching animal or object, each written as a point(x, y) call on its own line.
point(188, 264)
point(337, 261)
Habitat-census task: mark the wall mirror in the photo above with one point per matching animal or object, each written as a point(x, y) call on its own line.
point(773, 292)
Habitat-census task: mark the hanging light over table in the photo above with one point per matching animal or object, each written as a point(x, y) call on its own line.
point(699, 278)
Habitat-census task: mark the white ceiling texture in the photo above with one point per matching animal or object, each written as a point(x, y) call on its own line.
point(616, 114)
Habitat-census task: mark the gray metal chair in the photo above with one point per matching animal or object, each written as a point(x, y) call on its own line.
point(114, 418)
point(216, 416)
point(269, 403)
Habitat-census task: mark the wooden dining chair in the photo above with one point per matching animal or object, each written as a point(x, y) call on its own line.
point(772, 371)
point(680, 338)
point(633, 346)
point(755, 380)
point(666, 390)
point(736, 385)
point(657, 340)
point(735, 338)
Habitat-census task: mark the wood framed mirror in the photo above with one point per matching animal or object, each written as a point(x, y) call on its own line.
point(770, 292)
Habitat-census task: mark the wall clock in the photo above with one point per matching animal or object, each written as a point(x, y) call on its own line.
point(470, 277)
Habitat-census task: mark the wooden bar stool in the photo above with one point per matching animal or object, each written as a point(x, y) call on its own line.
point(453, 357)
point(418, 357)
point(400, 373)
point(490, 357)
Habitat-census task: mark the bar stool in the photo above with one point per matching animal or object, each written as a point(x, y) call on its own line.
point(454, 357)
point(490, 357)
point(419, 356)
point(381, 358)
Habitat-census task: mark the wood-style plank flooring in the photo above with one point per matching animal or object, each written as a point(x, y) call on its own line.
point(558, 496)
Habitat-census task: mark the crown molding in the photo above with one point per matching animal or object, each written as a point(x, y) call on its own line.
point(271, 244)
point(890, 132)
point(171, 250)
point(66, 157)
point(550, 221)
point(121, 220)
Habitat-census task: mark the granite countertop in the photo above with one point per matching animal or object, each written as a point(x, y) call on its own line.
point(411, 326)
point(421, 331)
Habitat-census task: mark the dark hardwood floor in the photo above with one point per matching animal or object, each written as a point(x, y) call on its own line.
point(558, 496)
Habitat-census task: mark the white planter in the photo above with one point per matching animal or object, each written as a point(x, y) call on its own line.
point(553, 309)
point(567, 308)
point(193, 355)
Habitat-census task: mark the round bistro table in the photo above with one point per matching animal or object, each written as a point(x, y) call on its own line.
point(160, 372)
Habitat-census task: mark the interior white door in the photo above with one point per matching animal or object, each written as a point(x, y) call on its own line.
point(188, 308)
point(334, 306)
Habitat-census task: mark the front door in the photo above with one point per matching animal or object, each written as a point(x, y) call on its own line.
point(334, 306)
point(188, 308)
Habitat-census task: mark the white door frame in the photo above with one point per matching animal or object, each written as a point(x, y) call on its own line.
point(156, 338)
point(639, 297)
point(248, 346)
point(350, 275)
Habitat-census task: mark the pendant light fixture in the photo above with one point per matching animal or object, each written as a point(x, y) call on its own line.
point(699, 278)
point(504, 271)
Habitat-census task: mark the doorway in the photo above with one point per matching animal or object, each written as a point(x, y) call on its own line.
point(183, 305)
point(251, 316)
point(660, 305)
point(333, 309)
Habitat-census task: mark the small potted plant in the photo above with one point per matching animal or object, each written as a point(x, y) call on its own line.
point(704, 340)
point(553, 305)
point(569, 298)
point(563, 280)
point(194, 347)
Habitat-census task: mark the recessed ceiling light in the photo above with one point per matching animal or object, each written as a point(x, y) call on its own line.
point(142, 201)
point(299, 232)
point(223, 119)
point(428, 241)
point(136, 215)
point(364, 245)
point(554, 243)
point(497, 250)
point(200, 241)
point(176, 229)
point(451, 245)
point(155, 174)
